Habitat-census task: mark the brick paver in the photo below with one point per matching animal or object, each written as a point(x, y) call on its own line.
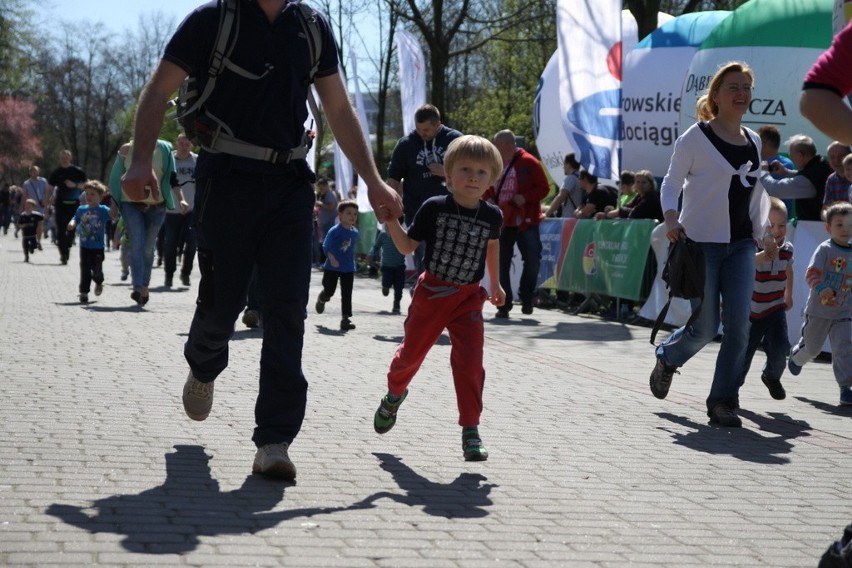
point(100, 466)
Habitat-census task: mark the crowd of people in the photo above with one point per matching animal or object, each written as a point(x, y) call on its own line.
point(459, 204)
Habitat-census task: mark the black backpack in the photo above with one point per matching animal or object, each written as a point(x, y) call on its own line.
point(211, 133)
point(684, 277)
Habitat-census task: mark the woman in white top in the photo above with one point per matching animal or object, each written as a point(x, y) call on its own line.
point(714, 166)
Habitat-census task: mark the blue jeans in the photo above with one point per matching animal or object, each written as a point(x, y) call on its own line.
point(142, 225)
point(770, 333)
point(267, 221)
point(529, 244)
point(729, 275)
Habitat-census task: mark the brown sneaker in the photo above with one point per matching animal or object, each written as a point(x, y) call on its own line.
point(272, 460)
point(197, 398)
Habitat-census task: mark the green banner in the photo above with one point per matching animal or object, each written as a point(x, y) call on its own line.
point(366, 232)
point(607, 257)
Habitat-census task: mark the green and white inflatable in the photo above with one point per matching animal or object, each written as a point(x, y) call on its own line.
point(779, 40)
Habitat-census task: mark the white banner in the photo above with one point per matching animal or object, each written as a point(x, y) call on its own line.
point(311, 124)
point(412, 77)
point(343, 174)
point(589, 46)
point(650, 101)
point(363, 202)
point(842, 15)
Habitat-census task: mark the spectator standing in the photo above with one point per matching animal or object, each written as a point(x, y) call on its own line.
point(36, 188)
point(829, 306)
point(770, 139)
point(234, 234)
point(5, 207)
point(570, 194)
point(518, 193)
point(715, 166)
point(837, 185)
point(807, 185)
point(327, 201)
point(416, 169)
point(178, 227)
point(65, 182)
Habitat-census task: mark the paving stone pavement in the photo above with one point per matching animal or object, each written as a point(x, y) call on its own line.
point(100, 466)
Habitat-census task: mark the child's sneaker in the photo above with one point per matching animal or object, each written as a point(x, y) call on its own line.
point(320, 305)
point(385, 416)
point(124, 275)
point(846, 395)
point(99, 288)
point(84, 298)
point(472, 445)
point(793, 367)
point(396, 309)
point(346, 324)
point(385, 290)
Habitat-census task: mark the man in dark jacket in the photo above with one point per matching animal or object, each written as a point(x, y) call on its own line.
point(518, 192)
point(807, 185)
point(416, 169)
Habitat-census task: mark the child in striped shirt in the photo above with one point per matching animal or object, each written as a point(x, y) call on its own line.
point(772, 297)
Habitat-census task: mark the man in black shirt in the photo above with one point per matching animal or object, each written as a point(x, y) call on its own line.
point(66, 183)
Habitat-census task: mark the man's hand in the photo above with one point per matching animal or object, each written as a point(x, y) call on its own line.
point(437, 169)
point(386, 202)
point(138, 181)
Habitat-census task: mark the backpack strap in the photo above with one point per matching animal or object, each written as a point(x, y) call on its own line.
point(229, 20)
point(307, 17)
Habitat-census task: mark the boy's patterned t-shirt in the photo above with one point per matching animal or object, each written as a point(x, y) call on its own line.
point(456, 238)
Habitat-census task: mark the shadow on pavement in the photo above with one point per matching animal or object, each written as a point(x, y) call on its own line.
point(742, 443)
point(466, 497)
point(129, 308)
point(593, 330)
point(169, 519)
point(444, 340)
point(828, 408)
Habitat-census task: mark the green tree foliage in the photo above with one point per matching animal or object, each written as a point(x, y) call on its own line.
point(496, 84)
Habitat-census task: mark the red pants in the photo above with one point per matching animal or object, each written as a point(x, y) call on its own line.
point(439, 305)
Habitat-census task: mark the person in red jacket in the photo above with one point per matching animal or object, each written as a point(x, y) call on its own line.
point(518, 192)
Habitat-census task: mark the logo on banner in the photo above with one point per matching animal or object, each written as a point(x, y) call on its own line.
point(589, 265)
point(598, 116)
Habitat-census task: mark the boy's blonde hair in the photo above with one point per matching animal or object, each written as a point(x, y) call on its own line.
point(473, 147)
point(836, 209)
point(776, 204)
point(96, 185)
point(346, 204)
point(847, 160)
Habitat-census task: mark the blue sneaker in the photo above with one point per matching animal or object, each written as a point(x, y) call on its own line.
point(793, 367)
point(846, 396)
